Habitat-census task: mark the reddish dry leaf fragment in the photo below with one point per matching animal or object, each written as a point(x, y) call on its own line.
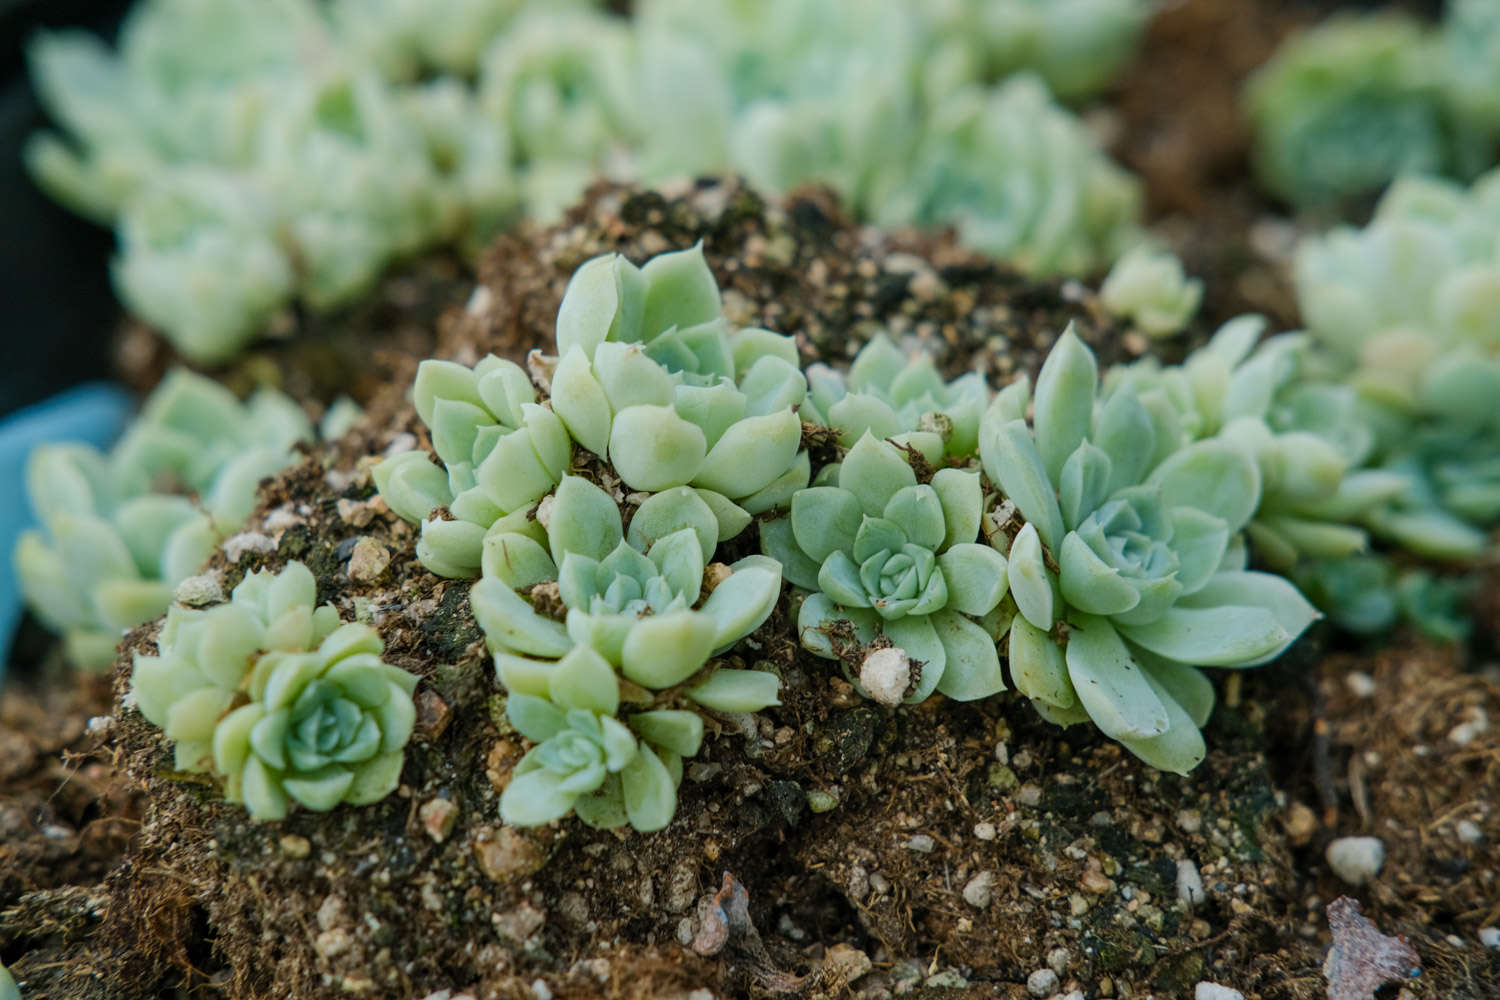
point(1362, 959)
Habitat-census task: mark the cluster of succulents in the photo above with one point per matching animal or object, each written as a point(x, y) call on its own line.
point(119, 531)
point(1149, 287)
point(254, 153)
point(278, 700)
point(1343, 109)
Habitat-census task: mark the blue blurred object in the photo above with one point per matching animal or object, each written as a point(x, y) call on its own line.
point(93, 414)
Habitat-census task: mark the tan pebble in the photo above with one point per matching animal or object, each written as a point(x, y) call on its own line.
point(846, 963)
point(355, 512)
point(506, 854)
point(369, 561)
point(1097, 882)
point(332, 942)
point(502, 759)
point(1300, 823)
point(295, 847)
point(438, 816)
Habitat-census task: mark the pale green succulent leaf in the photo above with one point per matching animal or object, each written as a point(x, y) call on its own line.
point(534, 798)
point(731, 518)
point(443, 380)
point(678, 731)
point(454, 549)
point(778, 540)
point(740, 604)
point(537, 719)
point(1186, 685)
point(411, 485)
point(601, 298)
point(962, 498)
point(751, 455)
point(580, 402)
point(734, 691)
point(976, 576)
point(375, 778)
point(1109, 683)
point(1275, 594)
point(1223, 636)
point(650, 794)
point(1064, 402)
point(510, 621)
point(654, 449)
point(1200, 540)
point(630, 377)
point(1089, 584)
point(920, 514)
point(516, 560)
point(1213, 477)
point(1029, 580)
point(663, 650)
point(873, 471)
point(1180, 748)
point(1037, 665)
point(584, 520)
point(971, 668)
point(1012, 461)
point(825, 519)
point(923, 645)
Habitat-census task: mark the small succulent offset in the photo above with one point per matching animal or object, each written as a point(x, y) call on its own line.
point(1149, 287)
point(1125, 575)
point(1346, 107)
point(120, 531)
point(277, 699)
point(887, 556)
point(575, 609)
point(898, 398)
point(650, 376)
point(501, 451)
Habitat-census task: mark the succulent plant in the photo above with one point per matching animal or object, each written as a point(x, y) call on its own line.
point(8, 989)
point(1366, 594)
point(120, 531)
point(575, 609)
point(501, 451)
point(1470, 40)
point(277, 699)
point(1019, 178)
point(1149, 287)
point(1077, 46)
point(897, 398)
point(650, 376)
point(1124, 573)
point(889, 557)
point(1344, 108)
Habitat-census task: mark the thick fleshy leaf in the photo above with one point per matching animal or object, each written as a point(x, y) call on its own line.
point(678, 558)
point(516, 560)
point(1214, 477)
point(678, 731)
point(510, 621)
point(375, 778)
point(1233, 635)
point(751, 454)
point(663, 650)
point(1064, 402)
point(411, 485)
point(654, 449)
point(1037, 665)
point(734, 691)
point(604, 807)
point(962, 499)
point(839, 578)
point(680, 291)
point(919, 513)
point(713, 409)
point(924, 647)
point(443, 380)
point(319, 790)
point(860, 413)
point(505, 388)
point(454, 425)
point(579, 400)
point(453, 549)
point(1109, 683)
point(1269, 591)
point(602, 301)
point(583, 520)
point(825, 519)
point(672, 510)
point(1084, 483)
point(778, 540)
point(741, 603)
point(261, 791)
point(193, 716)
point(584, 679)
point(1180, 748)
point(649, 792)
point(524, 675)
point(777, 494)
point(1011, 460)
point(512, 474)
point(731, 517)
point(232, 738)
point(534, 798)
point(535, 718)
point(1124, 431)
point(873, 471)
point(1030, 582)
point(971, 668)
point(631, 378)
point(1186, 685)
point(1091, 585)
point(977, 577)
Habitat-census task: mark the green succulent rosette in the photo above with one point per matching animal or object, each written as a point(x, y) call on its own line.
point(1150, 288)
point(120, 531)
point(501, 451)
point(898, 560)
point(1125, 575)
point(650, 377)
point(899, 399)
point(273, 696)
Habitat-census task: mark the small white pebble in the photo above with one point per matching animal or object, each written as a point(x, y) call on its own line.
point(1360, 684)
point(1455, 940)
point(979, 890)
point(405, 441)
point(1489, 937)
point(1189, 883)
point(1058, 960)
point(984, 830)
point(885, 675)
point(237, 546)
point(1356, 860)
point(1002, 752)
point(1189, 821)
point(278, 520)
point(1476, 723)
point(1041, 983)
point(921, 843)
point(480, 301)
point(1213, 991)
point(99, 723)
point(1468, 831)
point(541, 990)
point(196, 591)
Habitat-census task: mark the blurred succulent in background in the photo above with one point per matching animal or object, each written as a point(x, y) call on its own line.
point(897, 398)
point(120, 531)
point(1018, 177)
point(888, 557)
point(1366, 595)
point(277, 699)
point(501, 451)
point(1344, 108)
point(1125, 575)
point(1470, 41)
point(1077, 46)
point(1149, 287)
